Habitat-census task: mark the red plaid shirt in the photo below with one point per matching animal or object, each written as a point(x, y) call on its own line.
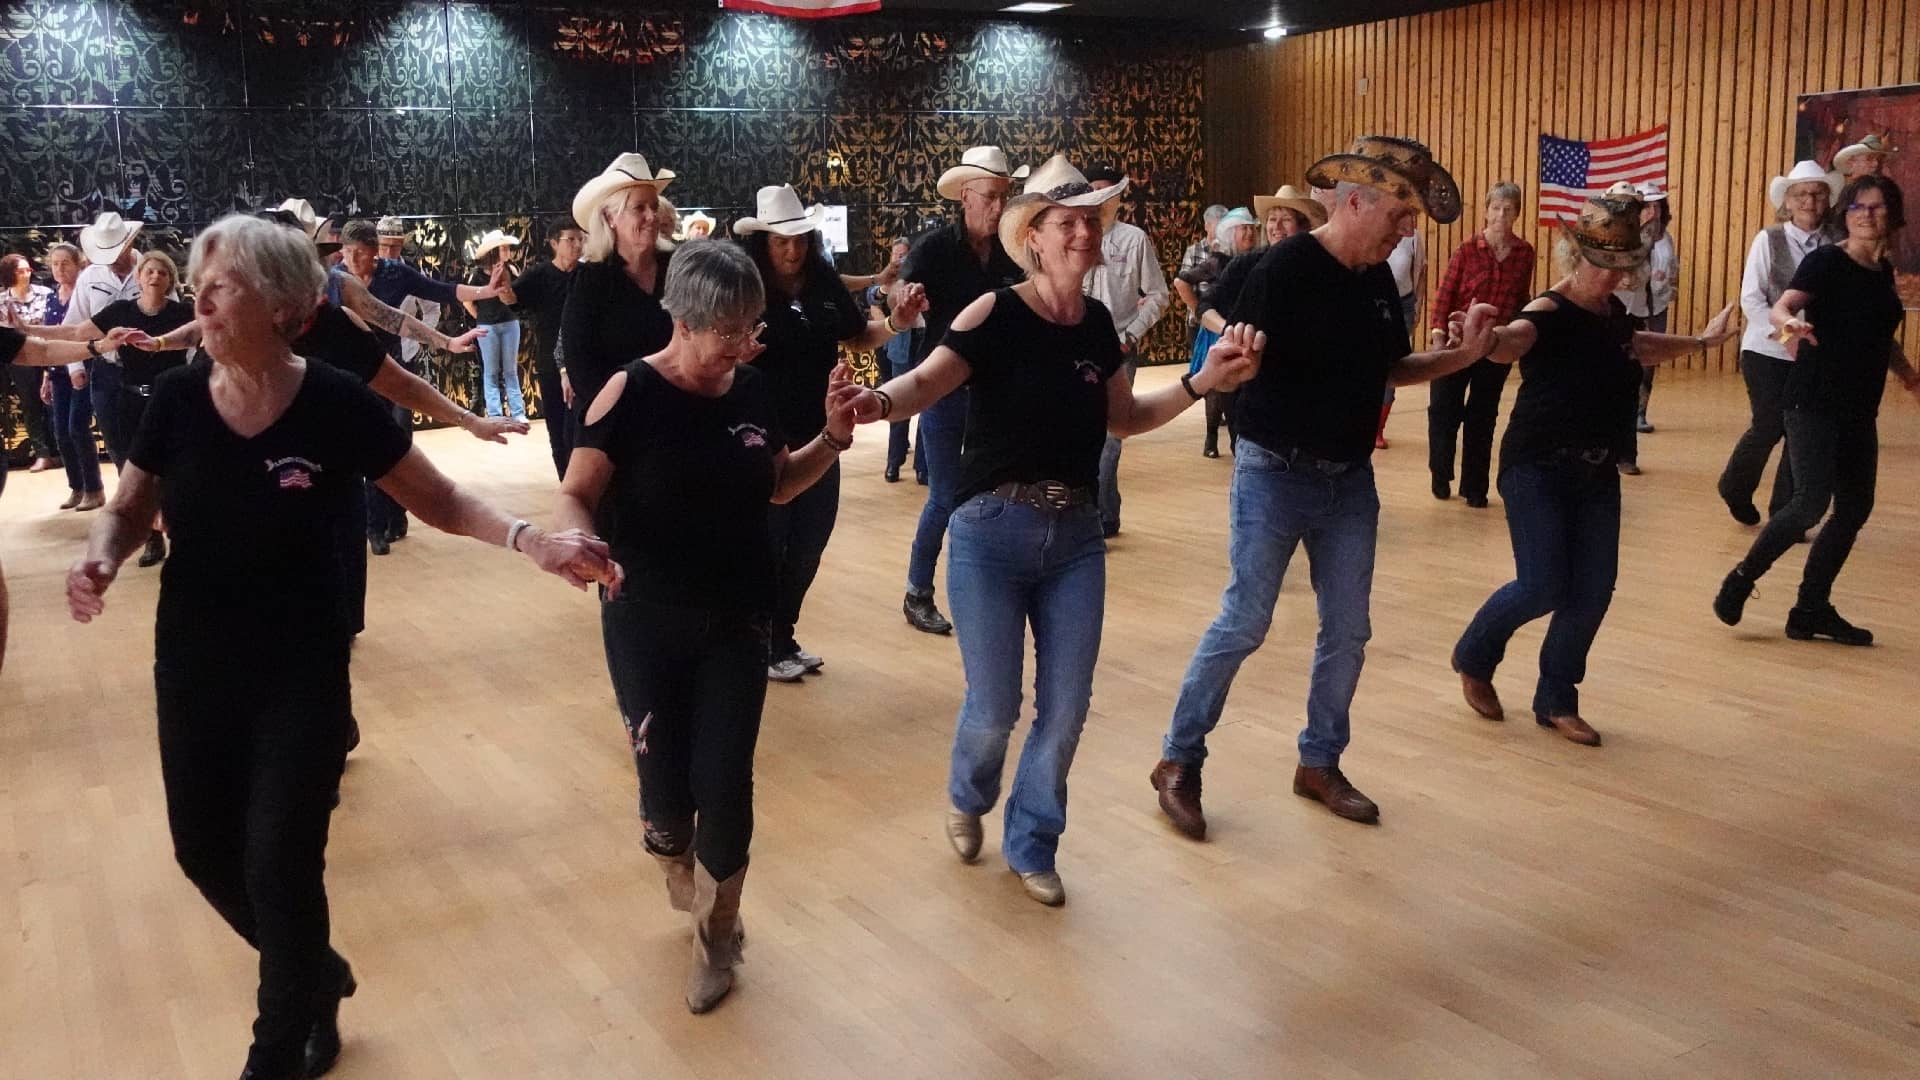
point(1473, 274)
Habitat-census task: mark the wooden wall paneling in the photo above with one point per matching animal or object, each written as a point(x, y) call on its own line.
point(1728, 144)
point(1693, 109)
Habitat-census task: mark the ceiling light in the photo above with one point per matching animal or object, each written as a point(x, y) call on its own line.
point(1034, 8)
point(1274, 33)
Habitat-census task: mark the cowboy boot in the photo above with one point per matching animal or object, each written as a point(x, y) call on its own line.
point(660, 842)
point(717, 937)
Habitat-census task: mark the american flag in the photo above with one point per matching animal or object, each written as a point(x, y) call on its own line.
point(1571, 172)
point(804, 9)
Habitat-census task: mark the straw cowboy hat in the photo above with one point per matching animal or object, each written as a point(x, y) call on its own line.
point(1238, 217)
point(390, 226)
point(777, 210)
point(1872, 144)
point(1293, 199)
point(1803, 172)
point(107, 237)
point(1402, 168)
point(302, 212)
point(1056, 183)
point(697, 218)
point(494, 238)
point(978, 163)
point(628, 170)
point(1608, 232)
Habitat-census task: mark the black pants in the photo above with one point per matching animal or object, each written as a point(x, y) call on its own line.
point(553, 406)
point(1468, 399)
point(130, 408)
point(1835, 460)
point(1219, 407)
point(690, 685)
point(1766, 378)
point(251, 755)
point(26, 382)
point(799, 532)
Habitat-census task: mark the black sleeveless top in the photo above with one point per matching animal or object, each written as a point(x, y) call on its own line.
point(1579, 384)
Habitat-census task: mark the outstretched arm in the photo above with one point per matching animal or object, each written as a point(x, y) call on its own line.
point(404, 388)
point(1651, 349)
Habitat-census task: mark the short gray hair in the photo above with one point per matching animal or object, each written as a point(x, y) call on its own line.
point(360, 233)
point(278, 262)
point(1508, 190)
point(711, 280)
point(1368, 193)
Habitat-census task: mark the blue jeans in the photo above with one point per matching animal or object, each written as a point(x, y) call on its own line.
point(1011, 565)
point(1272, 508)
point(942, 426)
point(1564, 517)
point(500, 363)
point(103, 387)
point(72, 423)
point(892, 365)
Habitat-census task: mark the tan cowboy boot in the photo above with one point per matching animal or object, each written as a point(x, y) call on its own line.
point(679, 871)
point(717, 937)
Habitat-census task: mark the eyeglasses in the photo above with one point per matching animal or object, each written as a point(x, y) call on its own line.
point(737, 337)
point(1867, 208)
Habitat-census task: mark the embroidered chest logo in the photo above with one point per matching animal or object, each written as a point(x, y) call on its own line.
point(751, 435)
point(1385, 309)
point(1089, 371)
point(293, 473)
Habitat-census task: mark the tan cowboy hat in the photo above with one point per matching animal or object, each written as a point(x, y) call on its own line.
point(107, 237)
point(302, 212)
point(1402, 168)
point(1608, 232)
point(1872, 144)
point(697, 218)
point(777, 210)
point(1293, 199)
point(978, 163)
point(495, 238)
point(628, 170)
point(1056, 183)
point(1803, 172)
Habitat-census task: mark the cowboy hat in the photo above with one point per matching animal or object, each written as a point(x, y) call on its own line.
point(1293, 199)
point(1803, 172)
point(979, 163)
point(390, 226)
point(1055, 183)
point(304, 214)
point(1608, 232)
point(107, 237)
point(1238, 217)
point(1872, 144)
point(495, 238)
point(697, 218)
point(777, 209)
point(1651, 192)
point(1402, 168)
point(628, 170)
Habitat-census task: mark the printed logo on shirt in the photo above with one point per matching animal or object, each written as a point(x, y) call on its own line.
point(293, 473)
point(751, 435)
point(1089, 371)
point(1385, 309)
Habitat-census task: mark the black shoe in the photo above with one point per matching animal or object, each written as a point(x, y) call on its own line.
point(400, 532)
point(323, 1043)
point(1732, 600)
point(920, 478)
point(156, 550)
point(1805, 624)
point(1109, 530)
point(1743, 510)
point(893, 474)
point(1210, 452)
point(1478, 502)
point(1442, 488)
point(923, 616)
point(353, 734)
point(379, 543)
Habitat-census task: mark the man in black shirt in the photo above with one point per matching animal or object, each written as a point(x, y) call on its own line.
point(957, 263)
point(542, 292)
point(1335, 338)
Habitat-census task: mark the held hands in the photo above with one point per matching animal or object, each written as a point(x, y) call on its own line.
point(127, 335)
point(1719, 328)
point(842, 397)
point(576, 557)
point(889, 273)
point(464, 343)
point(87, 582)
point(909, 304)
point(1473, 331)
point(1235, 357)
point(1793, 332)
point(493, 429)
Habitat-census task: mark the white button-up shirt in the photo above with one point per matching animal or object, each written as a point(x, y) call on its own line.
point(1129, 281)
point(95, 288)
point(1758, 336)
point(1663, 279)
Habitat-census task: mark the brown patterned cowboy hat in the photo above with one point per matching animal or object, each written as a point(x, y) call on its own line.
point(1402, 168)
point(1608, 232)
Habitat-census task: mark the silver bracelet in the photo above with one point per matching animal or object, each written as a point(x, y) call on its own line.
point(514, 531)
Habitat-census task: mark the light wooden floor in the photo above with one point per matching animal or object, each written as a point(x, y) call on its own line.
point(1730, 888)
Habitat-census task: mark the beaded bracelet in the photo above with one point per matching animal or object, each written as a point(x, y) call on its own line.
point(838, 446)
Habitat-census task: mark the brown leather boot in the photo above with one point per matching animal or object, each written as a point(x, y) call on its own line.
point(1481, 697)
point(1571, 727)
point(1179, 788)
point(717, 937)
point(1330, 787)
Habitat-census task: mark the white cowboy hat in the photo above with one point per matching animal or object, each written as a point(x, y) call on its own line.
point(1651, 192)
point(1872, 144)
point(302, 212)
point(1056, 183)
point(628, 170)
point(698, 218)
point(1238, 217)
point(107, 237)
point(390, 226)
point(1023, 172)
point(979, 163)
point(494, 238)
point(1803, 172)
point(1293, 199)
point(777, 209)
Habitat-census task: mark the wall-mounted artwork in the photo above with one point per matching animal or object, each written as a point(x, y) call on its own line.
point(1831, 121)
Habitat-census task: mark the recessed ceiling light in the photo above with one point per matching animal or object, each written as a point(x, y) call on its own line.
point(1274, 33)
point(1034, 8)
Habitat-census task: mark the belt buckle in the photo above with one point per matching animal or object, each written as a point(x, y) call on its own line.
point(1055, 494)
point(1594, 457)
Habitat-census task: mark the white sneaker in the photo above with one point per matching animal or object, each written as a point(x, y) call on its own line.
point(807, 659)
point(786, 669)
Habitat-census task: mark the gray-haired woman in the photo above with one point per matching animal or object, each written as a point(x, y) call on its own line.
point(254, 458)
point(678, 459)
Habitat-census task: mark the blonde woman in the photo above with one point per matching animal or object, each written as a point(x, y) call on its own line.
point(613, 314)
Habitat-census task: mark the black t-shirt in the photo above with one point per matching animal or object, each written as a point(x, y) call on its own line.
point(333, 338)
point(11, 342)
point(686, 511)
point(1333, 334)
point(1579, 384)
point(803, 339)
point(1855, 313)
point(542, 293)
point(1037, 408)
point(143, 367)
point(942, 260)
point(609, 323)
point(254, 567)
point(488, 312)
point(1226, 289)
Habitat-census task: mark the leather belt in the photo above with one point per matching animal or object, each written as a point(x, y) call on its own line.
point(1045, 494)
point(1598, 455)
point(1298, 460)
point(135, 388)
